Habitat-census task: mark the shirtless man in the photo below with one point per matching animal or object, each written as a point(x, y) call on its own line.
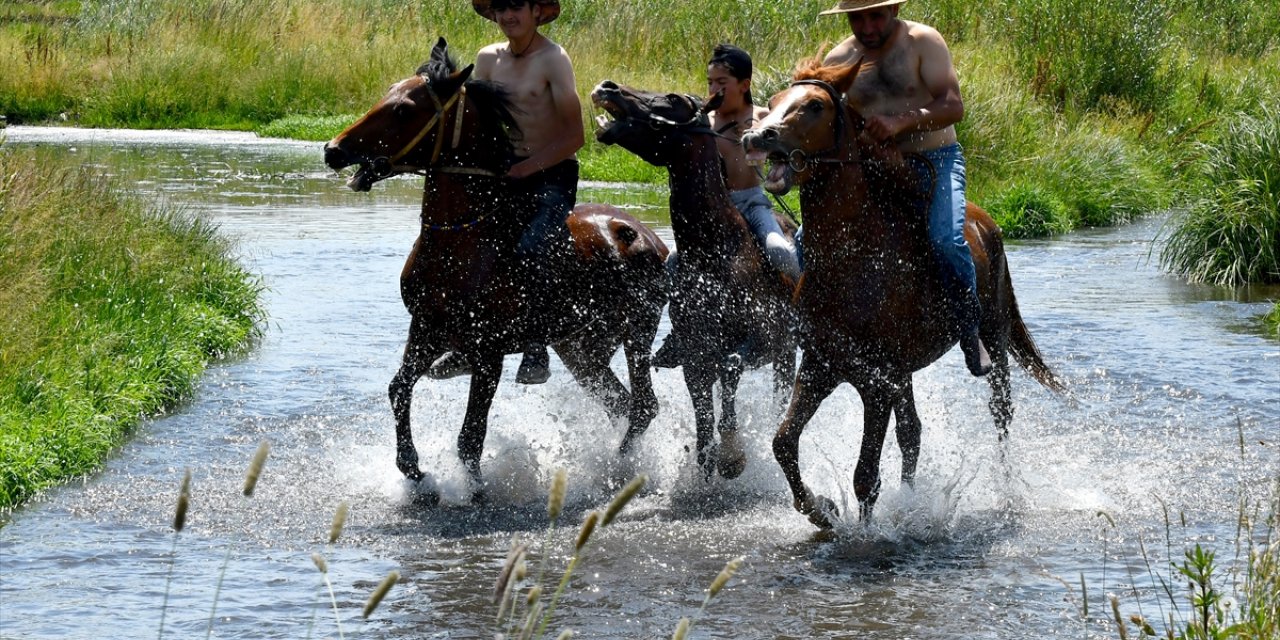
point(539, 76)
point(908, 92)
point(729, 72)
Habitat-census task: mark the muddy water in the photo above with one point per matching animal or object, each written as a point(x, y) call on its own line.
point(1175, 418)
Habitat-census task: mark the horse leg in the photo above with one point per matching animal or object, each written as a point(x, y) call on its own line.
point(878, 401)
point(699, 380)
point(484, 383)
point(906, 426)
point(784, 371)
point(414, 363)
point(637, 343)
point(587, 358)
point(731, 461)
point(814, 383)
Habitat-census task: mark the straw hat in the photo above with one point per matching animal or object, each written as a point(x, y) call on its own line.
point(550, 9)
point(849, 6)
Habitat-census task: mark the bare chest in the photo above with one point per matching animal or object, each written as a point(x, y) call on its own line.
point(890, 83)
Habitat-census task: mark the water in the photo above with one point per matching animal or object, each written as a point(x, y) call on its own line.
point(1177, 403)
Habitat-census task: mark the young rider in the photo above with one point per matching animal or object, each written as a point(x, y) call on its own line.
point(908, 91)
point(539, 76)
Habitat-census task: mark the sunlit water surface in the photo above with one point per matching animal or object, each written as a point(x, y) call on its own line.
point(1177, 403)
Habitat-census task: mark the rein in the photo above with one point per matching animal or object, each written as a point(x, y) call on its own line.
point(800, 161)
point(385, 167)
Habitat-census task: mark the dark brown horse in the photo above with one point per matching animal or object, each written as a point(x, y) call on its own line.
point(872, 306)
point(725, 293)
point(462, 284)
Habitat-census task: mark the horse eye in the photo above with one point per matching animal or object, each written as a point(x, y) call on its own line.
point(815, 105)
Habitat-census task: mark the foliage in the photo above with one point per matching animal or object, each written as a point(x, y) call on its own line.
point(1230, 234)
point(112, 310)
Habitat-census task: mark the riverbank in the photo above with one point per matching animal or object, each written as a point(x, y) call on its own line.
point(1071, 123)
point(113, 308)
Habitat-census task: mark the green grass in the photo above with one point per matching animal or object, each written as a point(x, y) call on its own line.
point(112, 309)
point(1230, 234)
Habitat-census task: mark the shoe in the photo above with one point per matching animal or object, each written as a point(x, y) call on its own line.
point(670, 355)
point(449, 365)
point(534, 368)
point(975, 355)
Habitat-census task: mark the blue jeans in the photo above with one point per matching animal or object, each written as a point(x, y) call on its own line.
point(554, 192)
point(946, 228)
point(754, 206)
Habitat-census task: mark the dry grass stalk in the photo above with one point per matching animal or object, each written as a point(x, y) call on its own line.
point(730, 568)
point(619, 501)
point(255, 468)
point(588, 527)
point(682, 629)
point(1115, 612)
point(567, 634)
point(320, 562)
point(339, 519)
point(559, 484)
point(184, 502)
point(503, 585)
point(380, 593)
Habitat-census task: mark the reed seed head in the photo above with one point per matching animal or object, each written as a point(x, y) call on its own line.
point(588, 527)
point(184, 502)
point(1115, 611)
point(381, 592)
point(730, 568)
point(255, 468)
point(619, 501)
point(321, 563)
point(535, 594)
point(339, 519)
point(514, 557)
point(555, 503)
point(567, 634)
point(682, 629)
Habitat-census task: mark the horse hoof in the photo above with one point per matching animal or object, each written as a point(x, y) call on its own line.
point(428, 499)
point(822, 514)
point(480, 498)
point(732, 461)
point(708, 461)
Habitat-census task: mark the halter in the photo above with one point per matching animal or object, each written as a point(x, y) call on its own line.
point(798, 160)
point(699, 123)
point(384, 167)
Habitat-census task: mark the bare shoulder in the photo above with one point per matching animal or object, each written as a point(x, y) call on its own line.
point(844, 53)
point(924, 35)
point(486, 58)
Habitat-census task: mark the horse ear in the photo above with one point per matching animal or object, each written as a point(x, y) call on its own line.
point(714, 103)
point(463, 75)
point(441, 50)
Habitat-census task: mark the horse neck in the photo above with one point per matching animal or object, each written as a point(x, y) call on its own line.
point(703, 216)
point(846, 219)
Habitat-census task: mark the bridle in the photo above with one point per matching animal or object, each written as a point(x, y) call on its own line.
point(385, 167)
point(798, 160)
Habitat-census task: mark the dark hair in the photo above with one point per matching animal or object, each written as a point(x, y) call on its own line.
point(734, 60)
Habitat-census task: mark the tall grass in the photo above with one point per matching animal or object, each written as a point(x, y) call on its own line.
point(1230, 234)
point(111, 309)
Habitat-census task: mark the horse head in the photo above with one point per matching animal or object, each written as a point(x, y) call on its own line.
point(653, 126)
point(422, 124)
point(808, 123)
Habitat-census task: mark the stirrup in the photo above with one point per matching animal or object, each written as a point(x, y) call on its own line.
point(535, 366)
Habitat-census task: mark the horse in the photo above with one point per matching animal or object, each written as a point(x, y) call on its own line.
point(724, 293)
point(871, 301)
point(462, 283)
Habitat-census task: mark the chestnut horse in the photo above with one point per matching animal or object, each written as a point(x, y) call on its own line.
point(725, 293)
point(872, 306)
point(461, 282)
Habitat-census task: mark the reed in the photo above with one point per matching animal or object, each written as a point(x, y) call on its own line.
point(113, 308)
point(179, 521)
point(251, 476)
point(1230, 233)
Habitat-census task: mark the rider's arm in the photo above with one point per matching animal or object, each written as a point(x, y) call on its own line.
point(568, 121)
point(939, 77)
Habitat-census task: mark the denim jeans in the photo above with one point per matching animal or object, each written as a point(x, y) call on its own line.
point(755, 208)
point(554, 192)
point(946, 227)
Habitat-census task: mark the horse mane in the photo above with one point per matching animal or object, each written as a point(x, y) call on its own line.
point(814, 69)
point(491, 99)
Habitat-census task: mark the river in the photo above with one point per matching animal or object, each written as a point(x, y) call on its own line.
point(1172, 433)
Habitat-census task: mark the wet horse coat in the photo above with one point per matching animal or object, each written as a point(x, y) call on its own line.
point(725, 294)
point(873, 308)
point(461, 282)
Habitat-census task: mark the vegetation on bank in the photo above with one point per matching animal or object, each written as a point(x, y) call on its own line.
point(1078, 114)
point(112, 308)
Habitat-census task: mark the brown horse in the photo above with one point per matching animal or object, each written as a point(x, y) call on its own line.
point(725, 293)
point(871, 302)
point(462, 284)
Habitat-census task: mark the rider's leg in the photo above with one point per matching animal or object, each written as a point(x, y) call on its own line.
point(554, 198)
point(671, 354)
point(778, 249)
point(946, 233)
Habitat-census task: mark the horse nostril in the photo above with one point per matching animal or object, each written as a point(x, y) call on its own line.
point(769, 135)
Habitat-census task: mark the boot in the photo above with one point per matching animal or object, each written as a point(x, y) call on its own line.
point(975, 355)
point(534, 368)
point(449, 365)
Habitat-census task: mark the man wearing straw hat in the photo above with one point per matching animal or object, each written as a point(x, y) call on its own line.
point(539, 76)
point(908, 92)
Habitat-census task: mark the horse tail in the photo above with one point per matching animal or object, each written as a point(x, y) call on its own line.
point(1025, 352)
